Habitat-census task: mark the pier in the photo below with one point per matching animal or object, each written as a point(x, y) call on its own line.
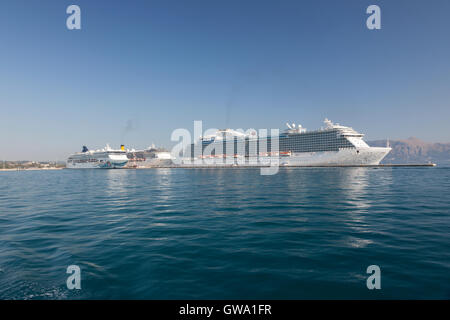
point(403, 165)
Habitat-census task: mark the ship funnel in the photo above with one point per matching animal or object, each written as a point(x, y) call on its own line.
point(122, 147)
point(85, 149)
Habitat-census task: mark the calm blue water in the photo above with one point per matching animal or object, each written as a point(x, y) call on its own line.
point(225, 233)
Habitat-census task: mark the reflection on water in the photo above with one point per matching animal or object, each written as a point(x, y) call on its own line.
point(117, 183)
point(354, 182)
point(354, 187)
point(163, 180)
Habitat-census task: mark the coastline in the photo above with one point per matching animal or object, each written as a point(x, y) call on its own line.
point(30, 169)
point(283, 166)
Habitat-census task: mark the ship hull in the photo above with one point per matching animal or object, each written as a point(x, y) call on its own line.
point(343, 157)
point(157, 162)
point(104, 165)
point(150, 163)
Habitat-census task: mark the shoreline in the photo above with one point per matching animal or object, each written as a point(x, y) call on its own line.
point(239, 167)
point(31, 169)
point(290, 166)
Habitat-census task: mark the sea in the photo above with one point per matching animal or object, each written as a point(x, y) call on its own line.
point(229, 233)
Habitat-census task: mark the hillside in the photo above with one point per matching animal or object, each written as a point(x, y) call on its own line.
point(414, 150)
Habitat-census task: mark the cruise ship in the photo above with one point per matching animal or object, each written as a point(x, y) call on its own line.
point(149, 158)
point(332, 145)
point(105, 158)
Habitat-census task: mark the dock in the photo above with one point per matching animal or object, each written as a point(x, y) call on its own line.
point(390, 165)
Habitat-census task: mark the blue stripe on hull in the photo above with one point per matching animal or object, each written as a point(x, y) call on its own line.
point(112, 165)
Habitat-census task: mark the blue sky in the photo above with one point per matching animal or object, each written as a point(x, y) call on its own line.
point(139, 69)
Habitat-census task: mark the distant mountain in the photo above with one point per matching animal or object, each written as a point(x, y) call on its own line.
point(414, 150)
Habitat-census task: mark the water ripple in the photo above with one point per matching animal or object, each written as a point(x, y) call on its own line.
point(303, 233)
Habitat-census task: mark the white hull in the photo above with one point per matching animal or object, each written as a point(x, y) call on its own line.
point(363, 156)
point(343, 157)
point(150, 163)
point(157, 162)
point(95, 165)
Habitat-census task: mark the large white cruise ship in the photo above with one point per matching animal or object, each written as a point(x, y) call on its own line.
point(105, 158)
point(334, 145)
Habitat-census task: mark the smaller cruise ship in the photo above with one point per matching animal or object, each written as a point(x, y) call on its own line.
point(149, 158)
point(106, 158)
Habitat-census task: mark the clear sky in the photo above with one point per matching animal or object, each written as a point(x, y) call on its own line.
point(139, 69)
